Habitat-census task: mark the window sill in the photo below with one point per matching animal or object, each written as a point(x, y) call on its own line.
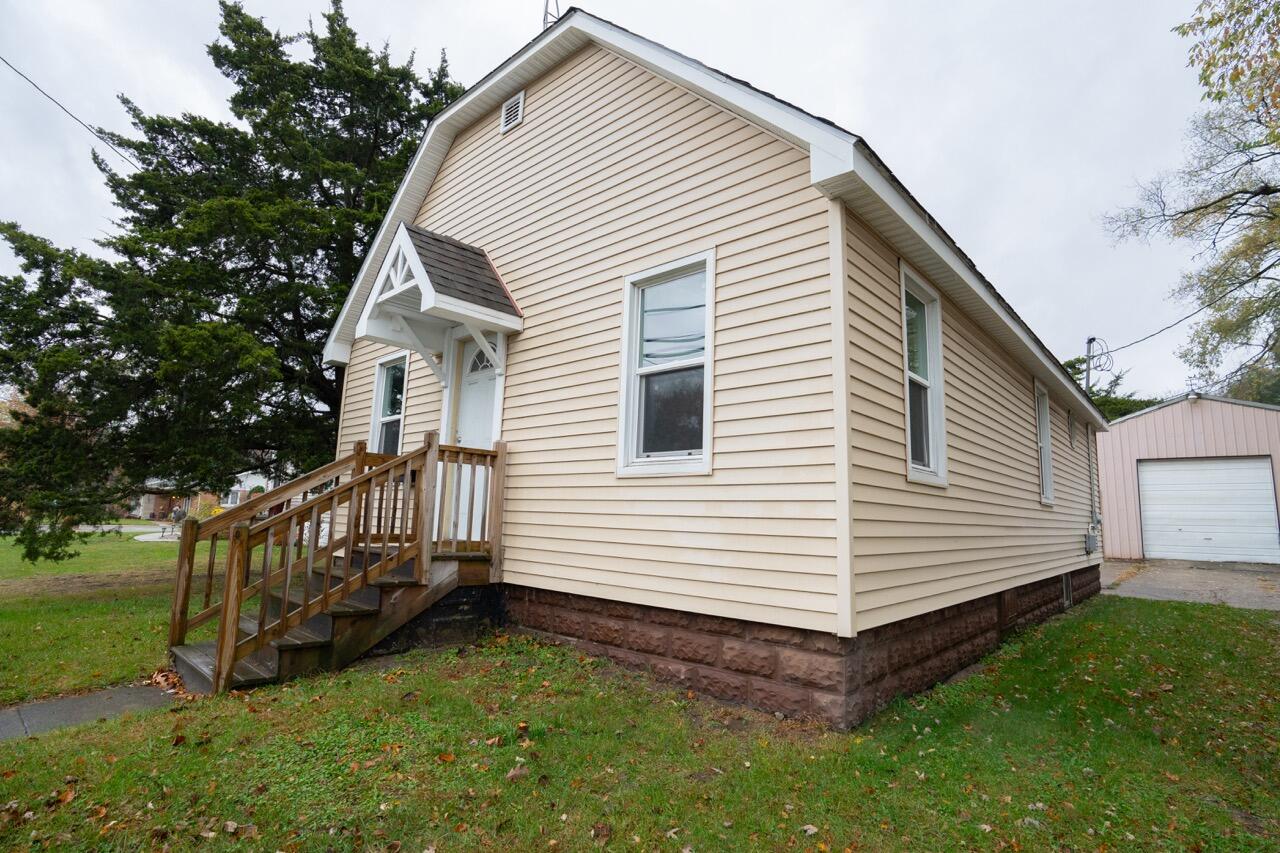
point(1048, 502)
point(666, 468)
point(926, 478)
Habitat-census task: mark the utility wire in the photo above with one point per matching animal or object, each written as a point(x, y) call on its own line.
point(77, 118)
point(1180, 320)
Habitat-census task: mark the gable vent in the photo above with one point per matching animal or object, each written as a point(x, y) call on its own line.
point(513, 111)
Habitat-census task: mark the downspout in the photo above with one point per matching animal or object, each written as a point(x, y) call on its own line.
point(1095, 519)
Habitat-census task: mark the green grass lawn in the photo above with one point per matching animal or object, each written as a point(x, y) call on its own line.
point(111, 553)
point(1125, 725)
point(100, 618)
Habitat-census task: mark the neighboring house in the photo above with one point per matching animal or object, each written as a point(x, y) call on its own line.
point(1192, 478)
point(768, 431)
point(243, 488)
point(158, 500)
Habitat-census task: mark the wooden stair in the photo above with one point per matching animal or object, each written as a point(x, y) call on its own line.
point(333, 639)
point(316, 572)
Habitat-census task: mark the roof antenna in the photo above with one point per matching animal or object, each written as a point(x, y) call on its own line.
point(550, 12)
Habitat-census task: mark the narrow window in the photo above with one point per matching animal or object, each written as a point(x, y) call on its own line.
point(666, 392)
point(388, 406)
point(926, 429)
point(1071, 428)
point(1044, 439)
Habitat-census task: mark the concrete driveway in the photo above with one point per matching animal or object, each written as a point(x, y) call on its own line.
point(1252, 585)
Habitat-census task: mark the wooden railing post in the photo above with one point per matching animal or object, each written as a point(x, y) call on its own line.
point(497, 487)
point(182, 587)
point(229, 619)
point(358, 452)
point(427, 507)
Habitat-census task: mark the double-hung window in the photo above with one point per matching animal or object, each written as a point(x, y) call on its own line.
point(1044, 441)
point(665, 412)
point(388, 405)
point(922, 358)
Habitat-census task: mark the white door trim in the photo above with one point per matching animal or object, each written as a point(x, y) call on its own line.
point(457, 338)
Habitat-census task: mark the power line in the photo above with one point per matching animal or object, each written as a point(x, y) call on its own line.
point(77, 118)
point(1180, 320)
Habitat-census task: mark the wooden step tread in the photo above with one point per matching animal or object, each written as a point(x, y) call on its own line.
point(298, 637)
point(198, 658)
point(346, 607)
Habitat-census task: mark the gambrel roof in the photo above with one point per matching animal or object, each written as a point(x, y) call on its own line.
point(842, 166)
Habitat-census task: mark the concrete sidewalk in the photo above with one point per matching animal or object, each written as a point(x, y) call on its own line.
point(1249, 585)
point(46, 715)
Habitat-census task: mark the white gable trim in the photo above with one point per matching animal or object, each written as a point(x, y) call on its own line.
point(840, 166)
point(404, 310)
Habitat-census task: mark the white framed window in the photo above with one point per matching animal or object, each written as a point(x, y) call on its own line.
point(512, 112)
point(388, 404)
point(1044, 441)
point(668, 320)
point(231, 498)
point(923, 381)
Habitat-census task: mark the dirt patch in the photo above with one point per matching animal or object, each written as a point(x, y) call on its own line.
point(1125, 572)
point(139, 582)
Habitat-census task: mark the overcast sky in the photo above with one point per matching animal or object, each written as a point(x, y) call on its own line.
point(1018, 125)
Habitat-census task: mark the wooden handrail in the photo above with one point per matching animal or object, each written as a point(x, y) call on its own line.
point(454, 450)
point(299, 485)
point(371, 474)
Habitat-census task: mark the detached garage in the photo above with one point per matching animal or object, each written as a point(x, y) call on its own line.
point(1192, 479)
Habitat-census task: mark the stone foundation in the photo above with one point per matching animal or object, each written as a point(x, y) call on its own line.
point(791, 670)
point(463, 616)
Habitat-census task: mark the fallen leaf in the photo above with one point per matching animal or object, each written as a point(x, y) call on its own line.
point(445, 758)
point(601, 832)
point(517, 772)
point(809, 829)
point(179, 740)
point(230, 827)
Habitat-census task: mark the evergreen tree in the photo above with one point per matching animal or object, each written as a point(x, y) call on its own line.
point(191, 349)
point(1107, 396)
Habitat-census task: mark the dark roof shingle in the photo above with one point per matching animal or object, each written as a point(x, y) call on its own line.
point(461, 271)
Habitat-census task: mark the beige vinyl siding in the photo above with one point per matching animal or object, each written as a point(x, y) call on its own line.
point(614, 171)
point(917, 547)
point(422, 400)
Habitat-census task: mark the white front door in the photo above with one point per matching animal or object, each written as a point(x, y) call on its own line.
point(474, 425)
point(473, 428)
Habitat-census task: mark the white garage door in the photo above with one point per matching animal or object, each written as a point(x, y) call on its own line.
point(1209, 509)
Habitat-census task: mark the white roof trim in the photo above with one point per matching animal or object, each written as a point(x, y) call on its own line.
point(386, 318)
point(1194, 395)
point(840, 166)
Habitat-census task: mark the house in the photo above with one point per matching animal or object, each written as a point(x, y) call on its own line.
point(1192, 478)
point(723, 400)
point(246, 484)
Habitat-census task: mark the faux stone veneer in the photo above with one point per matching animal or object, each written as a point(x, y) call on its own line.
point(791, 670)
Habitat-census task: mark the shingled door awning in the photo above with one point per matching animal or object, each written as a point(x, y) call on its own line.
point(427, 287)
